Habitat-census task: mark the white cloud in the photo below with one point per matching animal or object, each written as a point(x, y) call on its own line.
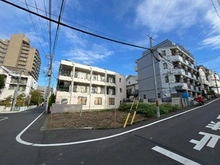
point(96, 54)
point(180, 14)
point(73, 37)
point(212, 31)
point(213, 41)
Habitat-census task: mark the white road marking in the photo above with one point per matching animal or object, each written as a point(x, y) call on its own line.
point(18, 137)
point(174, 156)
point(3, 118)
point(200, 144)
point(214, 126)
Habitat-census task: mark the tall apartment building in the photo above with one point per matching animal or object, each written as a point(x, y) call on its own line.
point(209, 80)
point(93, 87)
point(175, 71)
point(16, 54)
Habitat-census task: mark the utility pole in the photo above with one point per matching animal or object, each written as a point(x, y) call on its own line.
point(155, 79)
point(16, 92)
point(49, 74)
point(216, 83)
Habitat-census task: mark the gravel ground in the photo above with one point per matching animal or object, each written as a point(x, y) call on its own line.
point(92, 120)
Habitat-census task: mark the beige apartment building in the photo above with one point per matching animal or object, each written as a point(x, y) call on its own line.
point(16, 54)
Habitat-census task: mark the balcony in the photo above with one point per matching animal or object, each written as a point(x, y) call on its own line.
point(65, 78)
point(179, 72)
point(177, 58)
point(186, 62)
point(24, 52)
point(180, 86)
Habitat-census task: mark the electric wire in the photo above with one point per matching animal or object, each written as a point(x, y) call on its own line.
point(40, 21)
point(208, 59)
point(50, 40)
point(215, 8)
point(45, 9)
point(161, 18)
point(58, 25)
point(66, 20)
point(77, 29)
point(35, 28)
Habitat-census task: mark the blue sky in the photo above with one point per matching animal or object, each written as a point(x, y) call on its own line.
point(193, 24)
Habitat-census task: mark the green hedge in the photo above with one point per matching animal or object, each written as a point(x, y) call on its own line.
point(149, 110)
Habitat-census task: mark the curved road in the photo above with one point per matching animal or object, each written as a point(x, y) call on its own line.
point(183, 138)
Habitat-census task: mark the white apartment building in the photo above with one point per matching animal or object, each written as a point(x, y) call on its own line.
point(27, 83)
point(174, 68)
point(209, 80)
point(93, 87)
point(132, 86)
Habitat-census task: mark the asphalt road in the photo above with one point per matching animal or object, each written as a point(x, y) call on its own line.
point(180, 138)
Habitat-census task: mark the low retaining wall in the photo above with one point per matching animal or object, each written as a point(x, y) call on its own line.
point(8, 109)
point(62, 108)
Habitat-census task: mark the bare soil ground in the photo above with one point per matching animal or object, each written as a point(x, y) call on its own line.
point(92, 120)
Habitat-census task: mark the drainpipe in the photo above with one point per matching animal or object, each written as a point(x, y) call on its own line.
point(72, 84)
point(90, 88)
point(105, 90)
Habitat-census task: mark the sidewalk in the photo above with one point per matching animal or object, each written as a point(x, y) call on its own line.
point(18, 111)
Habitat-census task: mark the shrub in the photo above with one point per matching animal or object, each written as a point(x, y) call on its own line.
point(149, 110)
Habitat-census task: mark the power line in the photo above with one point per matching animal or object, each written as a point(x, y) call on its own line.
point(35, 29)
point(74, 28)
point(161, 18)
point(66, 20)
point(208, 59)
point(215, 8)
point(39, 20)
point(58, 25)
point(50, 40)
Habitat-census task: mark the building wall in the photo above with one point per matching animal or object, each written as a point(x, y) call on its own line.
point(18, 55)
point(27, 83)
point(145, 76)
point(175, 71)
point(132, 86)
point(82, 84)
point(14, 50)
point(3, 50)
point(217, 84)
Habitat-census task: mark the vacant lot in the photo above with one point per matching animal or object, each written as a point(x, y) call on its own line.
point(95, 120)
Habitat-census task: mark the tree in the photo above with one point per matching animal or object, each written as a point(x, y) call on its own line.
point(2, 82)
point(36, 97)
point(51, 101)
point(20, 100)
point(7, 101)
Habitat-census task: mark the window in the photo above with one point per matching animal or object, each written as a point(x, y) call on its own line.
point(95, 77)
point(119, 79)
point(163, 52)
point(76, 75)
point(82, 100)
point(94, 90)
point(111, 101)
point(98, 101)
point(120, 90)
point(166, 79)
point(145, 97)
point(164, 65)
